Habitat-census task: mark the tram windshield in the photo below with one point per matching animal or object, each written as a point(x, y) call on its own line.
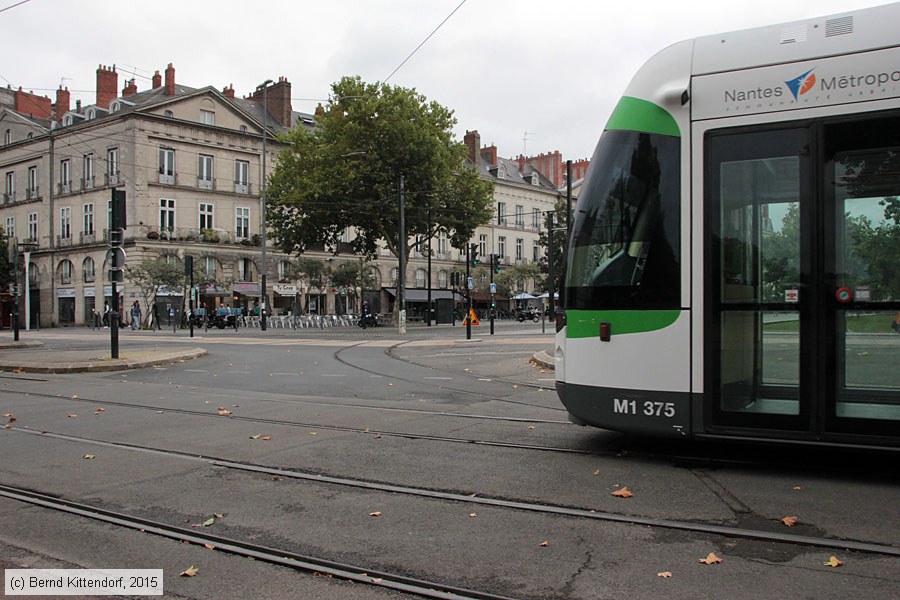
point(624, 250)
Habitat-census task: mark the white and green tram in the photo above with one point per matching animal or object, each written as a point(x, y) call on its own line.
point(733, 268)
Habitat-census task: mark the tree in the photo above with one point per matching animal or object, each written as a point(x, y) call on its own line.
point(878, 247)
point(152, 275)
point(508, 279)
point(345, 174)
point(7, 271)
point(560, 243)
point(352, 276)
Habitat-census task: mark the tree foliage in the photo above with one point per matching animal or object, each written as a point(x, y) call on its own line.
point(560, 243)
point(7, 272)
point(152, 275)
point(346, 172)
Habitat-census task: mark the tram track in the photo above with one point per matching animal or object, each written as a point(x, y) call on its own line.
point(286, 558)
point(477, 499)
point(326, 427)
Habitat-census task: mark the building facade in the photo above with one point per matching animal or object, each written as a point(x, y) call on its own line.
point(190, 163)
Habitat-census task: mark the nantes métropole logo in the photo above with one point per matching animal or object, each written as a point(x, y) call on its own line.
point(802, 84)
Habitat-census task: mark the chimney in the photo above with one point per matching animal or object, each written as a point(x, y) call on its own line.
point(473, 144)
point(29, 104)
point(170, 80)
point(129, 89)
point(63, 100)
point(278, 97)
point(107, 85)
point(157, 80)
point(489, 153)
point(229, 91)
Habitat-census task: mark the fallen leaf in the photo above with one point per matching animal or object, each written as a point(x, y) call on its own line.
point(266, 438)
point(375, 514)
point(208, 522)
point(711, 559)
point(834, 561)
point(377, 436)
point(515, 386)
point(71, 415)
point(544, 544)
point(790, 521)
point(223, 411)
point(99, 409)
point(88, 457)
point(622, 493)
point(473, 515)
point(313, 433)
point(366, 430)
point(209, 546)
point(12, 419)
point(377, 580)
point(190, 571)
point(597, 473)
point(7, 426)
point(219, 515)
point(531, 427)
point(254, 437)
point(665, 574)
point(796, 487)
point(7, 414)
point(74, 396)
point(276, 478)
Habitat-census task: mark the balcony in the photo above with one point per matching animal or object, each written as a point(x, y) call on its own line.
point(63, 241)
point(112, 178)
point(87, 183)
point(206, 184)
point(32, 193)
point(64, 187)
point(168, 178)
point(9, 197)
point(87, 238)
point(241, 187)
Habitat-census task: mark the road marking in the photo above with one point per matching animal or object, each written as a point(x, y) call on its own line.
point(284, 374)
point(437, 378)
point(545, 379)
point(195, 370)
point(483, 379)
point(333, 375)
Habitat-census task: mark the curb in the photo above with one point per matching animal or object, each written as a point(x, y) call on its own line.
point(104, 365)
point(544, 360)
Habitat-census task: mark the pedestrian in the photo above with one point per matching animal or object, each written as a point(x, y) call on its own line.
point(106, 315)
point(365, 314)
point(135, 315)
point(156, 316)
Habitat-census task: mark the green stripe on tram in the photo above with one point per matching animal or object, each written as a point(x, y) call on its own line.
point(586, 323)
point(634, 114)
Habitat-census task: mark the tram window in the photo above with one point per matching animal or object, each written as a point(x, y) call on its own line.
point(626, 239)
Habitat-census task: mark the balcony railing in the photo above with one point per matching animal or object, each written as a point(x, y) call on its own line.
point(64, 187)
point(166, 179)
point(9, 197)
point(32, 193)
point(87, 238)
point(62, 241)
point(241, 187)
point(206, 184)
point(112, 178)
point(87, 183)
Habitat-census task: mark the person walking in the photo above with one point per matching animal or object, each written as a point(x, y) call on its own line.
point(135, 315)
point(156, 316)
point(106, 315)
point(365, 314)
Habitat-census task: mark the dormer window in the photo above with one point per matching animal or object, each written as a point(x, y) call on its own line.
point(7, 137)
point(90, 113)
point(67, 120)
point(115, 107)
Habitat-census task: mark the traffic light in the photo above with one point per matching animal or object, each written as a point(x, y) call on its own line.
point(473, 253)
point(496, 260)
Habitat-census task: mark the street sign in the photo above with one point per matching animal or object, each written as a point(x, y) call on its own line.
point(115, 258)
point(493, 288)
point(470, 283)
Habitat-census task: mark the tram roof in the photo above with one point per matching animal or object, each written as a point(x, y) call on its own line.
point(854, 31)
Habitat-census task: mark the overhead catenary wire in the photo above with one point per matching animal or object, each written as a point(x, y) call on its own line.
point(405, 60)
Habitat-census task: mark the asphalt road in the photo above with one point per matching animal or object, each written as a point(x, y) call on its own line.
point(474, 442)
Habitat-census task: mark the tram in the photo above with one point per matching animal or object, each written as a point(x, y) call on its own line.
point(733, 266)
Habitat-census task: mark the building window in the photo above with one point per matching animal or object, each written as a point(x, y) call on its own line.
point(395, 275)
point(245, 270)
point(32, 191)
point(207, 117)
point(241, 222)
point(205, 172)
point(501, 213)
point(243, 129)
point(10, 194)
point(536, 251)
point(520, 216)
point(89, 270)
point(241, 177)
point(501, 246)
point(442, 280)
point(442, 243)
point(87, 181)
point(284, 270)
point(167, 166)
point(33, 227)
point(206, 215)
point(482, 244)
point(520, 249)
point(10, 228)
point(169, 113)
point(421, 278)
point(209, 267)
point(7, 137)
point(65, 222)
point(112, 166)
point(65, 176)
point(536, 219)
point(166, 215)
point(88, 219)
point(65, 271)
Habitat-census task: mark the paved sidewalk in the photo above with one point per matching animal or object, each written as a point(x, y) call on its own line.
point(21, 357)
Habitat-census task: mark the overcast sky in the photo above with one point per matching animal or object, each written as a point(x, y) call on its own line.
point(506, 67)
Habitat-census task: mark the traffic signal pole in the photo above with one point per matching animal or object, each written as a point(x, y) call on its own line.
point(469, 258)
point(494, 261)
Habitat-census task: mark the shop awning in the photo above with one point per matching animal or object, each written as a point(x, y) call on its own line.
point(247, 288)
point(214, 290)
point(284, 289)
point(417, 295)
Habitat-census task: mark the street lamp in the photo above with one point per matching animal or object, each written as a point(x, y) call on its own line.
point(264, 86)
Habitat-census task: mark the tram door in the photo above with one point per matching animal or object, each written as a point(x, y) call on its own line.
point(803, 280)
